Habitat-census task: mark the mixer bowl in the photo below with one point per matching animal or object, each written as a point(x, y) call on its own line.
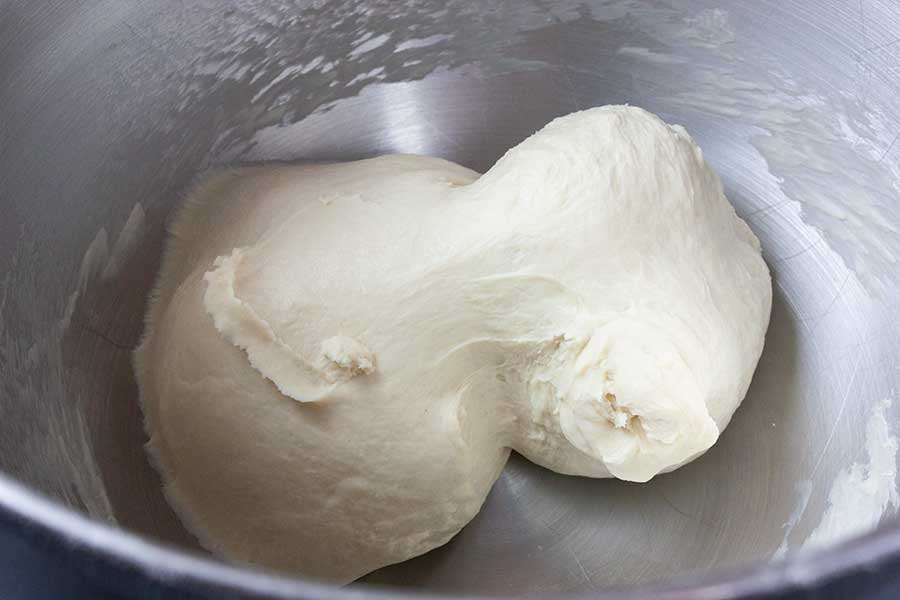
point(109, 109)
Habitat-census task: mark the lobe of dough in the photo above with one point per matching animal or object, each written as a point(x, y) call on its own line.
point(331, 387)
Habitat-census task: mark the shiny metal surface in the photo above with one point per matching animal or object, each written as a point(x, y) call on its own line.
point(109, 109)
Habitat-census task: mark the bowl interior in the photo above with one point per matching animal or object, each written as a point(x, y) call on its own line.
point(112, 109)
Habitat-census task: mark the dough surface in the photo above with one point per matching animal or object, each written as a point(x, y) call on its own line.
point(339, 358)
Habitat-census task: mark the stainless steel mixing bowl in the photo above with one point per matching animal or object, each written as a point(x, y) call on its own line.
point(109, 108)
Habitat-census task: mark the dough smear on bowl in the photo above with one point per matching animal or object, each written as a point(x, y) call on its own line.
point(340, 357)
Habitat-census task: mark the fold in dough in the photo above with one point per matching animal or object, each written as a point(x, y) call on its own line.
point(339, 357)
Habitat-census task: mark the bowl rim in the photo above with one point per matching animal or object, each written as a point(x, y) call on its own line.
point(860, 562)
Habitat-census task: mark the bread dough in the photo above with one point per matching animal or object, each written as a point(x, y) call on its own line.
point(339, 357)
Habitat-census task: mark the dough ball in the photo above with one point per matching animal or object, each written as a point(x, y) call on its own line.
point(339, 358)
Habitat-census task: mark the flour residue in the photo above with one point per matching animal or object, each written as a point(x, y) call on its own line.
point(414, 43)
point(649, 55)
point(710, 28)
point(369, 43)
point(35, 373)
point(101, 263)
point(129, 238)
point(862, 494)
point(803, 491)
point(826, 149)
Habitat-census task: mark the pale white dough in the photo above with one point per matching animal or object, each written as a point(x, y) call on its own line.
point(339, 357)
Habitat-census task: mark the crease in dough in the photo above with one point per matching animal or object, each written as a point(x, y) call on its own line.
point(341, 357)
